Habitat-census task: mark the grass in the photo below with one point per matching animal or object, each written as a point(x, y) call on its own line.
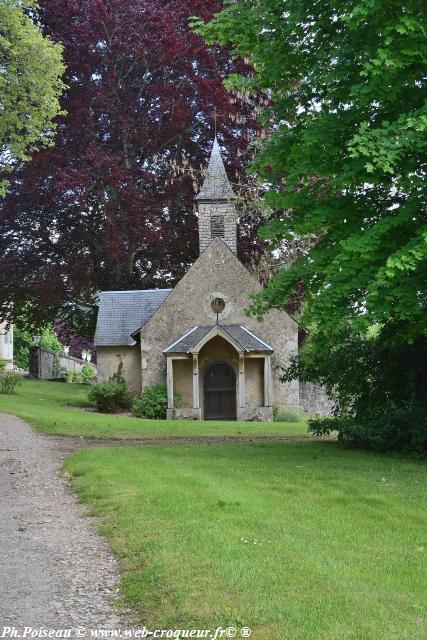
point(298, 540)
point(53, 407)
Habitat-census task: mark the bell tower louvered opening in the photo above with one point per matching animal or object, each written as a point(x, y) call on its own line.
point(217, 227)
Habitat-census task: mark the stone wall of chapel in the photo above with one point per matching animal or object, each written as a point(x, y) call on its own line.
point(313, 399)
point(217, 273)
point(108, 359)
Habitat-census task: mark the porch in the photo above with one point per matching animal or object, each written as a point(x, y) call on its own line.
point(219, 372)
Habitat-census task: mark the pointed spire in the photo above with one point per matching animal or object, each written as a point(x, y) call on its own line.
point(216, 185)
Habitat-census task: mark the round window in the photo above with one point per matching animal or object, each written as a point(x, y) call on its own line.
point(217, 305)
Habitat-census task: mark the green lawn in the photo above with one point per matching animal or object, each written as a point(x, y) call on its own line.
point(53, 407)
point(298, 540)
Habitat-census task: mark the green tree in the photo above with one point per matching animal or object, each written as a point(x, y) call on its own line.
point(23, 339)
point(30, 85)
point(346, 161)
point(49, 339)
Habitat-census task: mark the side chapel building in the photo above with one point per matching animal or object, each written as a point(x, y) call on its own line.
point(6, 344)
point(196, 337)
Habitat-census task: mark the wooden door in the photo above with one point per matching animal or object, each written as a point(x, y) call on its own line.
point(220, 392)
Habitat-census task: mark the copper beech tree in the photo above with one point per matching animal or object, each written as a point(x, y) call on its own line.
point(110, 206)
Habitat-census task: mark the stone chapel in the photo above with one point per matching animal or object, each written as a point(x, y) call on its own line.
point(196, 338)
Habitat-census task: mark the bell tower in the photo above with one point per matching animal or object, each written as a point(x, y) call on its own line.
point(216, 205)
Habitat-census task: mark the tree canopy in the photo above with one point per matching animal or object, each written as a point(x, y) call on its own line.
point(30, 86)
point(346, 161)
point(347, 157)
point(110, 206)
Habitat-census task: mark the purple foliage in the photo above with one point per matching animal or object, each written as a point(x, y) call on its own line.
point(77, 344)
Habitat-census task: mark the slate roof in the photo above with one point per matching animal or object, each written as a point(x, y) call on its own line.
point(121, 313)
point(188, 340)
point(247, 340)
point(216, 185)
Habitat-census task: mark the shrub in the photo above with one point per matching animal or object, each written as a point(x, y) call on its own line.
point(112, 394)
point(2, 365)
point(394, 428)
point(88, 374)
point(286, 415)
point(376, 381)
point(9, 380)
point(118, 376)
point(109, 396)
point(85, 376)
point(58, 372)
point(153, 402)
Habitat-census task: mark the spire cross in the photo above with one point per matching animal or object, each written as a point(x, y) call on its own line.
point(215, 119)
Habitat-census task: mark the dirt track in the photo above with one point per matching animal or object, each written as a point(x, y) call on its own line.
point(55, 570)
point(74, 443)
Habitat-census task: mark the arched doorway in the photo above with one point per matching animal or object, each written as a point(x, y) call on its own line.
point(219, 389)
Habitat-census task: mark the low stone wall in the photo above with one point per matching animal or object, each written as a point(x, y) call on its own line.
point(184, 414)
point(48, 365)
point(313, 399)
point(255, 414)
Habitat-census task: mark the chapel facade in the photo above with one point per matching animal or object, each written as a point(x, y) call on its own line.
point(217, 362)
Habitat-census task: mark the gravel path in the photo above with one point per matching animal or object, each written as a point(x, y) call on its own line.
point(55, 570)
